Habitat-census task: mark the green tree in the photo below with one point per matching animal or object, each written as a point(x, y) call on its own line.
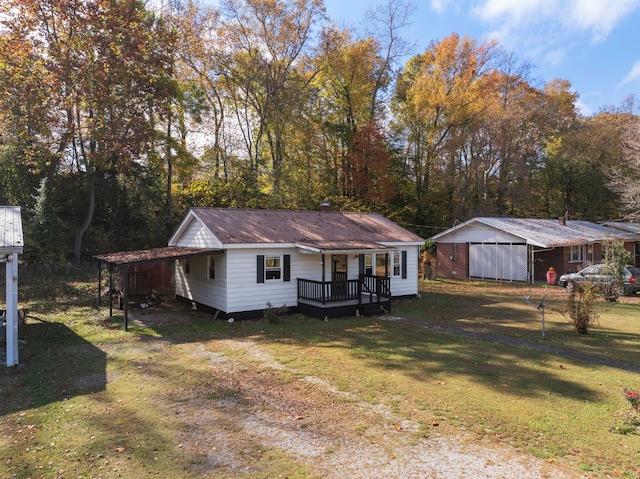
point(102, 64)
point(47, 247)
point(577, 166)
point(616, 258)
point(437, 95)
point(265, 44)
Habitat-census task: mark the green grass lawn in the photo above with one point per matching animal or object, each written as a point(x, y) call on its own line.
point(90, 400)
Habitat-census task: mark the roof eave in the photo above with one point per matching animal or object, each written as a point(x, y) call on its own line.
point(307, 248)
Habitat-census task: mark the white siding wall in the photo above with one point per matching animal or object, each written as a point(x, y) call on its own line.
point(197, 287)
point(479, 233)
point(235, 288)
point(409, 285)
point(246, 294)
point(197, 236)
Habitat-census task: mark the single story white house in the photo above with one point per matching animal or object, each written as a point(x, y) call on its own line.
point(523, 249)
point(11, 245)
point(237, 263)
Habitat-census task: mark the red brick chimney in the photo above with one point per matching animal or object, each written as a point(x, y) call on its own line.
point(325, 206)
point(562, 221)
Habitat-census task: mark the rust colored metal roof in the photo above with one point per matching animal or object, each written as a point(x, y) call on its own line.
point(11, 238)
point(320, 229)
point(151, 255)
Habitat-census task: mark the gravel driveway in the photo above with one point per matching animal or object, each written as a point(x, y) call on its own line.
point(253, 410)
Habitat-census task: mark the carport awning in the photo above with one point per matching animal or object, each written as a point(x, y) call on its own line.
point(145, 256)
point(153, 255)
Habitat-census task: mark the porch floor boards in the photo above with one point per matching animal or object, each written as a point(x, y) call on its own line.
point(348, 302)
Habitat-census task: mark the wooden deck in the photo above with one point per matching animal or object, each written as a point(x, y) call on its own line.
point(366, 295)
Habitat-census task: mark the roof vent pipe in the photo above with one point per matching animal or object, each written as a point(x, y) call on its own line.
point(562, 221)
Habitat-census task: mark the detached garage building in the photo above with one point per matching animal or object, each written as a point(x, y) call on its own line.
point(521, 249)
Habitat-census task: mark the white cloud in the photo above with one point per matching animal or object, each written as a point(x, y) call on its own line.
point(555, 56)
point(516, 13)
point(633, 75)
point(598, 16)
point(439, 6)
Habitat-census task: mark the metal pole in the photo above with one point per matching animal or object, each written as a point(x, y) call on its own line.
point(540, 307)
point(111, 290)
point(99, 282)
point(125, 282)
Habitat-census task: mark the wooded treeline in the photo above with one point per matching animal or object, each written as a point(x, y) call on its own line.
point(116, 117)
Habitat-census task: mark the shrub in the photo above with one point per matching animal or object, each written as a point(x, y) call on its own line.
point(273, 314)
point(581, 308)
point(628, 422)
point(633, 397)
point(615, 258)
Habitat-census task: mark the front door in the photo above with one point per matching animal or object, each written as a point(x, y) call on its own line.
point(339, 275)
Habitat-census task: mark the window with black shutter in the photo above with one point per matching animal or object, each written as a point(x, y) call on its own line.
point(260, 268)
point(404, 265)
point(286, 267)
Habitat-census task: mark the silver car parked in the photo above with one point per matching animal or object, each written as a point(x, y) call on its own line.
point(598, 275)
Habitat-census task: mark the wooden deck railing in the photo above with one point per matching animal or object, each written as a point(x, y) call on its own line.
point(343, 290)
point(329, 291)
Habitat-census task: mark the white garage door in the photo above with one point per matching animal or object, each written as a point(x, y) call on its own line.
point(500, 261)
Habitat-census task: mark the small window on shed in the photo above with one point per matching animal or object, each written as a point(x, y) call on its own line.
point(187, 266)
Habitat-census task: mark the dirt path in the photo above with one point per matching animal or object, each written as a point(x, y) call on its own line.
point(258, 409)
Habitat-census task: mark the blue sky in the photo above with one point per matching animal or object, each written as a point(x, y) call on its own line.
point(595, 44)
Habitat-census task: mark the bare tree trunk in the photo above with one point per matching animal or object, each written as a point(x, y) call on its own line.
point(169, 167)
point(88, 219)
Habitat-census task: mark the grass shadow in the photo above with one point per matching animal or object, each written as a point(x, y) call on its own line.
point(55, 364)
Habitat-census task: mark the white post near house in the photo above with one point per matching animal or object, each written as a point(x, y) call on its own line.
point(11, 244)
point(12, 309)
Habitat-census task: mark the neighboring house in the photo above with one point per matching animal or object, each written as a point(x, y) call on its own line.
point(520, 249)
point(237, 263)
point(633, 228)
point(321, 263)
point(11, 245)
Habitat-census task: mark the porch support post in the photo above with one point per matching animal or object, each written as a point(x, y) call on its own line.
point(110, 290)
point(532, 264)
point(323, 281)
point(99, 282)
point(125, 282)
point(386, 264)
